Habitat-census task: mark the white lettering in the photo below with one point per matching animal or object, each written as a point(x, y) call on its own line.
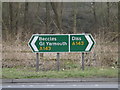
point(47, 39)
point(41, 43)
point(56, 43)
point(76, 38)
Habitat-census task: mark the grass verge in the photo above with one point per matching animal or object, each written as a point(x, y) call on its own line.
point(17, 73)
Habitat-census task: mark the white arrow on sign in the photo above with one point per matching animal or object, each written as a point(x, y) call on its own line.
point(90, 42)
point(33, 43)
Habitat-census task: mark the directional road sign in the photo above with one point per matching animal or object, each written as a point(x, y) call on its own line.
point(49, 43)
point(61, 42)
point(81, 43)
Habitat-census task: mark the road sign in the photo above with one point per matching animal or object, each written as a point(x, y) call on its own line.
point(61, 42)
point(49, 43)
point(81, 43)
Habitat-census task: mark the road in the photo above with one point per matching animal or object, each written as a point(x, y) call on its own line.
point(62, 85)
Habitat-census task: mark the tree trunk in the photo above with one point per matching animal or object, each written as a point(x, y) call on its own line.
point(47, 17)
point(108, 14)
point(57, 8)
point(10, 21)
point(74, 18)
point(11, 16)
point(26, 16)
point(94, 11)
point(16, 17)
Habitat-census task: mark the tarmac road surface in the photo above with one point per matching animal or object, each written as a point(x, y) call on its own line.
point(62, 85)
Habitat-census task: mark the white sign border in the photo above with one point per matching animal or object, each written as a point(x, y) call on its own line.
point(68, 42)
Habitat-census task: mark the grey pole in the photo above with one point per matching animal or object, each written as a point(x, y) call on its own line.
point(83, 61)
point(37, 62)
point(58, 61)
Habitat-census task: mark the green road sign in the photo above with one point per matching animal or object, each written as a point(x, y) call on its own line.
point(49, 43)
point(81, 43)
point(61, 42)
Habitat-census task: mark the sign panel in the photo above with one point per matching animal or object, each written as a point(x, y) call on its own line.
point(49, 43)
point(81, 43)
point(61, 43)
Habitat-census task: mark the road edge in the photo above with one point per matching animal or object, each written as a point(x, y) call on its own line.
point(65, 80)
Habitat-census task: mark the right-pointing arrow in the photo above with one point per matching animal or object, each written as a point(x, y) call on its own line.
point(33, 43)
point(90, 43)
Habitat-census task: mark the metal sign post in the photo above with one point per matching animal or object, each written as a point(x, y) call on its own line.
point(58, 61)
point(83, 61)
point(37, 62)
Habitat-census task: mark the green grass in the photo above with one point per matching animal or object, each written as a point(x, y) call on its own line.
point(17, 73)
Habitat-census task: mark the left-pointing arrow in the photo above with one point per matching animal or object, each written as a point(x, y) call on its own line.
point(33, 43)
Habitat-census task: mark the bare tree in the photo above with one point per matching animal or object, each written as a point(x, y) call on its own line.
point(94, 11)
point(26, 16)
point(16, 16)
point(11, 16)
point(74, 18)
point(57, 8)
point(47, 16)
point(108, 13)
